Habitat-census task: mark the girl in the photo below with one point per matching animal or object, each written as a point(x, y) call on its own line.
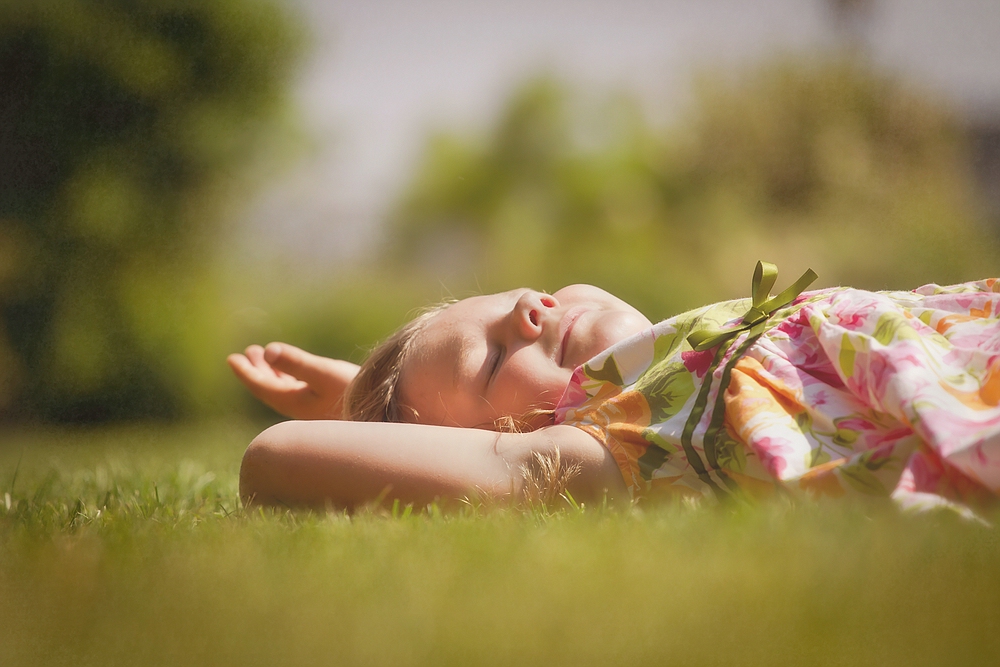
point(826, 393)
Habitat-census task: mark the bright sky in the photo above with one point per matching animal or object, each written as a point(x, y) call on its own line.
point(385, 71)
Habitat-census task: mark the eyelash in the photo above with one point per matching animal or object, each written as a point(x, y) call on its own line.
point(495, 363)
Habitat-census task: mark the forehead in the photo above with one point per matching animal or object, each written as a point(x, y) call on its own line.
point(448, 337)
point(463, 317)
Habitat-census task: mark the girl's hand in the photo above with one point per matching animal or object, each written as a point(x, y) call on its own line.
point(294, 382)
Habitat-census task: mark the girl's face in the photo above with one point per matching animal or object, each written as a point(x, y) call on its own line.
point(510, 353)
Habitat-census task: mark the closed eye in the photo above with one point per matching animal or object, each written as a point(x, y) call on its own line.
point(494, 365)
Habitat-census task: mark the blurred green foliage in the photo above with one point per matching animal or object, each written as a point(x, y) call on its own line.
point(824, 163)
point(125, 129)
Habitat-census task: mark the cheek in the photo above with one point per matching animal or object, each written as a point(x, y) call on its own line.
point(530, 385)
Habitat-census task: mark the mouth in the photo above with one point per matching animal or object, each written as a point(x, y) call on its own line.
point(565, 328)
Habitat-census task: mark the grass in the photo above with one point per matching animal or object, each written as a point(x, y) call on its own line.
point(129, 547)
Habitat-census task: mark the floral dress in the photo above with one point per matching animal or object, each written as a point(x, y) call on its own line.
point(844, 391)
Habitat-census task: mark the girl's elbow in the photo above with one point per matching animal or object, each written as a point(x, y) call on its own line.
point(262, 457)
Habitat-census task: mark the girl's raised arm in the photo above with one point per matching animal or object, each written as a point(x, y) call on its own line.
point(345, 464)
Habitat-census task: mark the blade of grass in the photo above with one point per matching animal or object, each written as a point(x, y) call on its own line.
point(17, 468)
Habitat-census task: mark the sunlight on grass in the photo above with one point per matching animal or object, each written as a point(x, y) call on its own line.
point(128, 547)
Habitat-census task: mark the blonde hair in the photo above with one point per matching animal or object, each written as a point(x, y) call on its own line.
point(373, 395)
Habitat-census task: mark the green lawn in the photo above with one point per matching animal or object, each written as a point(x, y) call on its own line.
point(128, 547)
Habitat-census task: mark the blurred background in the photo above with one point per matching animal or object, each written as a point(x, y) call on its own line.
point(180, 178)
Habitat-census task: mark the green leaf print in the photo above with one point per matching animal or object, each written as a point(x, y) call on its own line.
point(608, 373)
point(665, 346)
point(804, 421)
point(713, 316)
point(655, 455)
point(847, 356)
point(654, 438)
point(862, 479)
point(730, 453)
point(845, 437)
point(860, 474)
point(894, 325)
point(666, 388)
point(871, 463)
point(818, 457)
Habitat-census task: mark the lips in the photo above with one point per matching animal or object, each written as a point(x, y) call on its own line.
point(566, 327)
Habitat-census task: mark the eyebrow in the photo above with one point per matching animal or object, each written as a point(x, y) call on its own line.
point(462, 351)
point(461, 359)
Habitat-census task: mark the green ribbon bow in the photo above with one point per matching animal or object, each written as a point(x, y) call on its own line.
point(763, 307)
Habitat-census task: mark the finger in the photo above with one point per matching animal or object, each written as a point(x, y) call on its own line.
point(244, 369)
point(255, 376)
point(265, 385)
point(256, 356)
point(295, 361)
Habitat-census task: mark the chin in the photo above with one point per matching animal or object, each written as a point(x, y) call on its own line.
point(580, 293)
point(603, 300)
point(610, 328)
point(615, 327)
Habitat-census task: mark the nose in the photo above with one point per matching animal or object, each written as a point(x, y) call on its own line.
point(531, 313)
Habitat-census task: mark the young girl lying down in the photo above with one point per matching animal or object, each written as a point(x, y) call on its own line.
point(834, 392)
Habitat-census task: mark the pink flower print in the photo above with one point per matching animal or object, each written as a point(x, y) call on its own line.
point(852, 312)
point(871, 380)
point(979, 455)
point(853, 432)
point(809, 358)
point(949, 433)
point(573, 396)
point(965, 301)
point(795, 326)
point(818, 399)
point(697, 362)
point(826, 374)
point(912, 472)
point(771, 453)
point(856, 424)
point(983, 339)
point(774, 464)
point(880, 455)
point(926, 473)
point(889, 438)
point(878, 372)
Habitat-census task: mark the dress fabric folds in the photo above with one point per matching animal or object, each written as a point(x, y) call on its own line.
point(846, 392)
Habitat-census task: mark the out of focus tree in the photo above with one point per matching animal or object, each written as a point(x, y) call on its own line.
point(825, 163)
point(124, 126)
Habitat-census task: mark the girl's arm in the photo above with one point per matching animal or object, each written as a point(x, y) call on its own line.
point(345, 464)
point(294, 382)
